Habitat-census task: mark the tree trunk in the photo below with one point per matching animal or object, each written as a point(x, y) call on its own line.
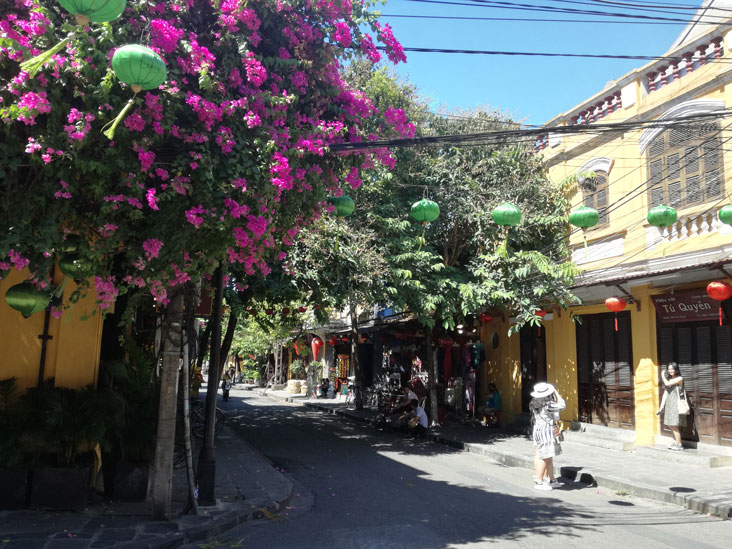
point(432, 378)
point(203, 346)
point(207, 457)
point(358, 381)
point(162, 483)
point(186, 376)
point(228, 338)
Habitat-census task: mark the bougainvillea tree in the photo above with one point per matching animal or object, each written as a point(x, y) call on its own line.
point(226, 161)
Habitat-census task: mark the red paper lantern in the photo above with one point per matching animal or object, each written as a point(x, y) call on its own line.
point(719, 291)
point(285, 311)
point(332, 341)
point(269, 312)
point(344, 339)
point(485, 318)
point(315, 346)
point(616, 304)
point(302, 309)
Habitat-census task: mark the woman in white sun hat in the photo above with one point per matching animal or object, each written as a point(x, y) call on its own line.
point(545, 407)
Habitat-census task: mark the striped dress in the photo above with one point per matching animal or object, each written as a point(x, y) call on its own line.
point(543, 433)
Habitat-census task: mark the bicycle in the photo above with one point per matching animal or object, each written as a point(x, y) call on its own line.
point(198, 426)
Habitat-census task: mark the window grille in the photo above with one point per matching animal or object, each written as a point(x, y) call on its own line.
point(685, 166)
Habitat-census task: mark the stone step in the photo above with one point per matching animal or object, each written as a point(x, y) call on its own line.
point(705, 455)
point(599, 440)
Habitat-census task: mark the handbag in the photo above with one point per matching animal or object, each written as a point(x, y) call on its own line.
point(683, 403)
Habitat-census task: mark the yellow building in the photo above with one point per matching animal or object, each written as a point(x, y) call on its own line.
point(71, 353)
point(671, 149)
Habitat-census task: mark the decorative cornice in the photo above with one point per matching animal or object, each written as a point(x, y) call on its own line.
point(688, 108)
point(597, 164)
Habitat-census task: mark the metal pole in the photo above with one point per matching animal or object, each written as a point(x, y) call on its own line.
point(207, 457)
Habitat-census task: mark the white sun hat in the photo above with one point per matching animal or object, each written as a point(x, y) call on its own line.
point(543, 390)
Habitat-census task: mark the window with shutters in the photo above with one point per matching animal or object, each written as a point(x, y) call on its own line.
point(595, 195)
point(685, 166)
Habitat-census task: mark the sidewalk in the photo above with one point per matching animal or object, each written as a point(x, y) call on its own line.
point(247, 487)
point(705, 490)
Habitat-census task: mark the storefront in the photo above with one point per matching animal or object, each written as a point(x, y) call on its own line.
point(690, 334)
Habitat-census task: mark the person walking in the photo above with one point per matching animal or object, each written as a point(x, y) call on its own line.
point(673, 389)
point(545, 407)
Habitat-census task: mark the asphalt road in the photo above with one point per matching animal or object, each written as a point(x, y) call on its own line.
point(360, 488)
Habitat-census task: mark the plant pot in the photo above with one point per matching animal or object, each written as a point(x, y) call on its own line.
point(15, 488)
point(59, 487)
point(130, 481)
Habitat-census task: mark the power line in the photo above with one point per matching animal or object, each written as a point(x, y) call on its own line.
point(500, 136)
point(532, 20)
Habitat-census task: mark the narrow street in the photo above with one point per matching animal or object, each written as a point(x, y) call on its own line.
point(360, 488)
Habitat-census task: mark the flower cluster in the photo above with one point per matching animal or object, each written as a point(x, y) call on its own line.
point(228, 156)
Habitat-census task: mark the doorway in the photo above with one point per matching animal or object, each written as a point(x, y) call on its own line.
point(533, 361)
point(605, 371)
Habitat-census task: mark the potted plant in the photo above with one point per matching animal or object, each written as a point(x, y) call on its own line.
point(129, 445)
point(66, 424)
point(13, 468)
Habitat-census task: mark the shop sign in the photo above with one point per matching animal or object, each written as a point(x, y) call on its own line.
point(687, 306)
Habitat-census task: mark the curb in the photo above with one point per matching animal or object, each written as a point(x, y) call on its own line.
point(693, 502)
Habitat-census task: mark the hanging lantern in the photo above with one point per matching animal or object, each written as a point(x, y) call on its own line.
point(332, 341)
point(662, 216)
point(506, 215)
point(584, 217)
point(719, 291)
point(343, 205)
point(285, 311)
point(269, 312)
point(84, 11)
point(315, 345)
point(616, 304)
point(27, 299)
point(298, 345)
point(302, 309)
point(540, 313)
point(344, 339)
point(484, 318)
point(725, 214)
point(140, 68)
point(425, 211)
point(70, 266)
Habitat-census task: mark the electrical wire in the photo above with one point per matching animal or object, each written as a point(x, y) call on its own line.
point(533, 20)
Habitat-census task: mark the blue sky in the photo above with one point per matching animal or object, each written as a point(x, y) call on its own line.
point(529, 88)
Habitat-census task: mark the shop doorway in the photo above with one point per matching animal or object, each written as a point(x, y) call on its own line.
point(703, 353)
point(605, 371)
point(533, 361)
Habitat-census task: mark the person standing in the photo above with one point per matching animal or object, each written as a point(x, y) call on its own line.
point(673, 387)
point(545, 407)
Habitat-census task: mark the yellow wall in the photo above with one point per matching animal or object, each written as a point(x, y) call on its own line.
point(72, 356)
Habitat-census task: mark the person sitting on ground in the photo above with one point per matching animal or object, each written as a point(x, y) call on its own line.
point(417, 412)
point(405, 399)
point(492, 406)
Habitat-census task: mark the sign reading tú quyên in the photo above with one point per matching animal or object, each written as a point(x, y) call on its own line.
point(687, 306)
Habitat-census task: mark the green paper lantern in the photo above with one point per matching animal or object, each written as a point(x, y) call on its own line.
point(139, 67)
point(506, 215)
point(584, 217)
point(96, 11)
point(662, 216)
point(425, 211)
point(27, 299)
point(71, 266)
point(725, 214)
point(344, 205)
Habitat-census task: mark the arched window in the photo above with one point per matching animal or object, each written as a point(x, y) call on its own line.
point(594, 194)
point(685, 166)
